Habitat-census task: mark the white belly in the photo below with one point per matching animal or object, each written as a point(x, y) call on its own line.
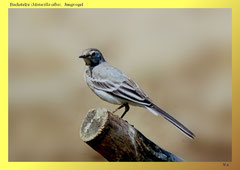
point(108, 98)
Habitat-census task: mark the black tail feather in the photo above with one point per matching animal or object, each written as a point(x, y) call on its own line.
point(156, 110)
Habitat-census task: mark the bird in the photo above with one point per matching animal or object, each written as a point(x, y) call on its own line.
point(113, 86)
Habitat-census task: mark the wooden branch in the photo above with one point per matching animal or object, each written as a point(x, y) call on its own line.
point(116, 140)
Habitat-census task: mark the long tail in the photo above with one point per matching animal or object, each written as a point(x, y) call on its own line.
point(156, 110)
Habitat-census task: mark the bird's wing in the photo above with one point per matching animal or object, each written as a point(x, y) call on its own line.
point(126, 89)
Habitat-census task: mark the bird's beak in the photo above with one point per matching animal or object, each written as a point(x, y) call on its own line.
point(82, 56)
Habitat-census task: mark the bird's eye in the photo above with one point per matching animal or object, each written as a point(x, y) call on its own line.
point(93, 54)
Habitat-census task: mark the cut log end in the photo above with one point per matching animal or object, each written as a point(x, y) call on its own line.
point(93, 124)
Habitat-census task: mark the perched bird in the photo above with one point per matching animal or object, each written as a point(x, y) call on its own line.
point(113, 86)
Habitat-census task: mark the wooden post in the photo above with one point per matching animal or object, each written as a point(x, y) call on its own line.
point(116, 140)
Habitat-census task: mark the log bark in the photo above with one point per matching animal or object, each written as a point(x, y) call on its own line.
point(116, 140)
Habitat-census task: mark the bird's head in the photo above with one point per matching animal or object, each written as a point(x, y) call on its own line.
point(92, 57)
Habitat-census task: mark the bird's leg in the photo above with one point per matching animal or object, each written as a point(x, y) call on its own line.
point(126, 109)
point(118, 108)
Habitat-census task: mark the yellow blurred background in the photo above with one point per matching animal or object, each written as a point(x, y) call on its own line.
point(180, 57)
